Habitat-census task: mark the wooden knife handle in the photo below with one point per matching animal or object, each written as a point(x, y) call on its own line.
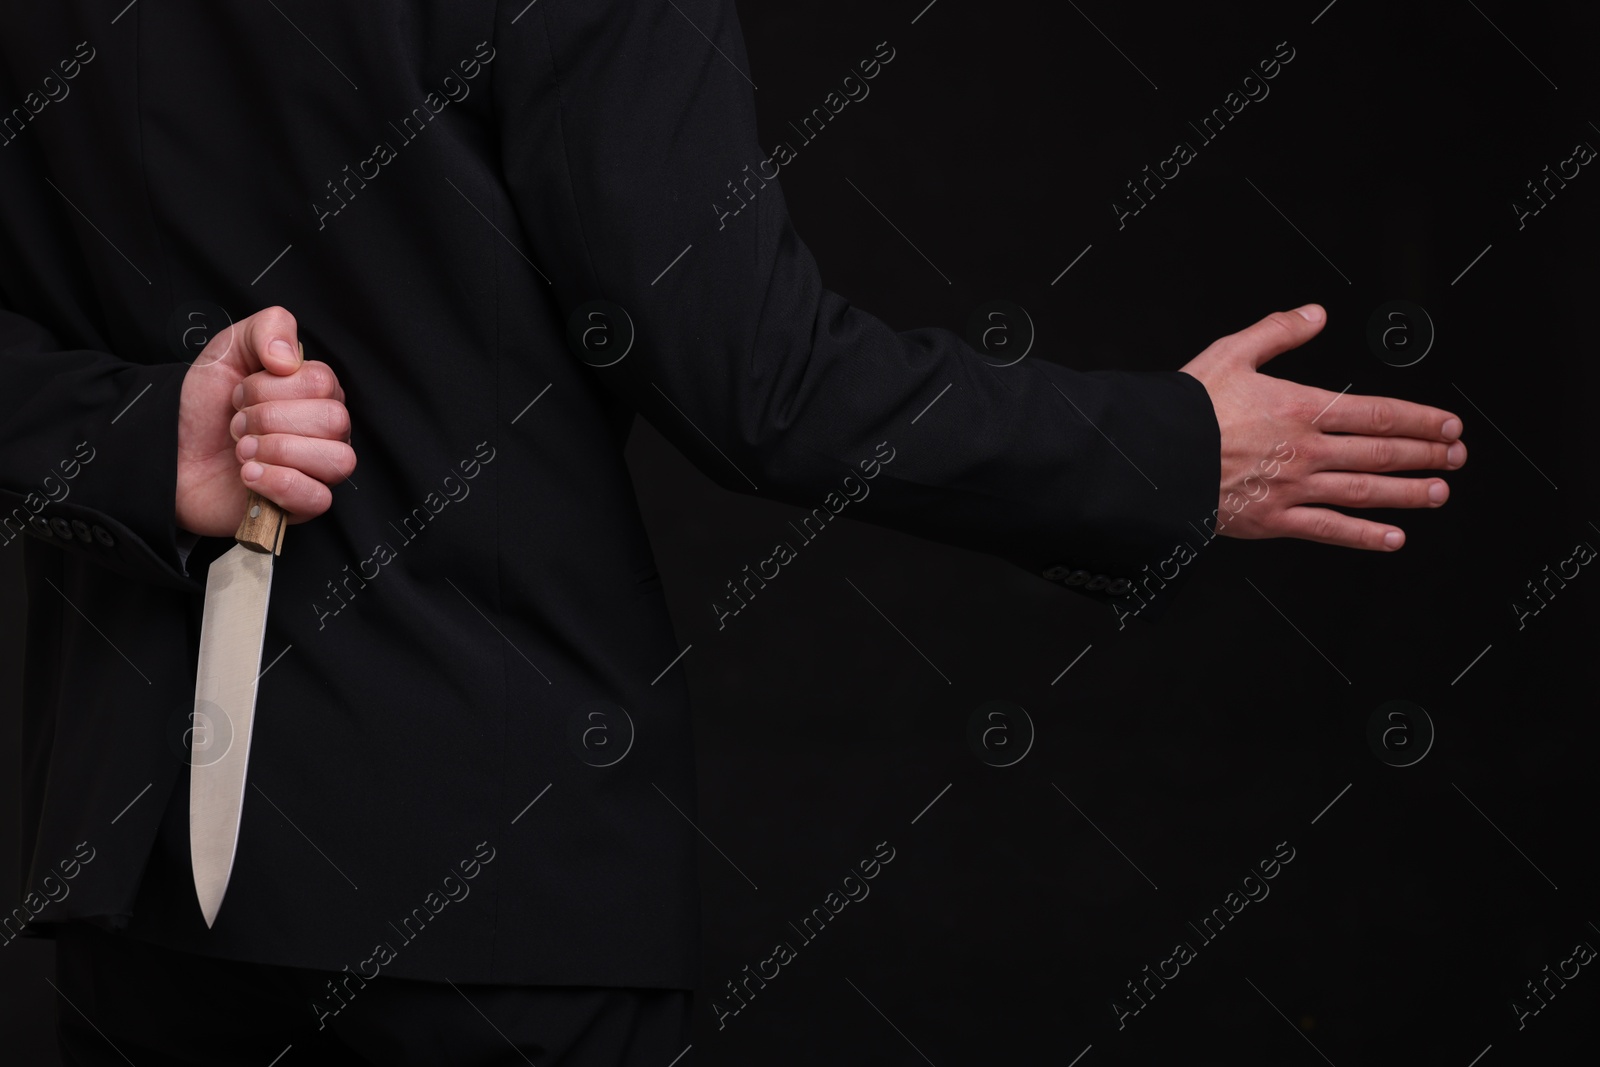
point(263, 525)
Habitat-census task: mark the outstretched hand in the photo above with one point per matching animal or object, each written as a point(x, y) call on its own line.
point(1288, 447)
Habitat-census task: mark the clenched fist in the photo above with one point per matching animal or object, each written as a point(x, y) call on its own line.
point(1304, 447)
point(254, 414)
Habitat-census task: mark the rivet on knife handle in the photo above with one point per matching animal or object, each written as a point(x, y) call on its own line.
point(263, 525)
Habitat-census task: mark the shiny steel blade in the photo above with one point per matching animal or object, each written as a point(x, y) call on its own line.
point(232, 630)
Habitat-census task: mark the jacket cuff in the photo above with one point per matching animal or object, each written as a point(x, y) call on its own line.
point(115, 505)
point(1166, 428)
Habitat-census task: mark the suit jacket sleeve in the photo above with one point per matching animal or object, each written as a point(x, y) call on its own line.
point(622, 126)
point(88, 454)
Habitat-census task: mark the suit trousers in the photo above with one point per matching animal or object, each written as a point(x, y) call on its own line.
point(124, 1000)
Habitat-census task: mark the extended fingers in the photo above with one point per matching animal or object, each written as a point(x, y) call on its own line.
point(1334, 528)
point(1351, 452)
point(1358, 490)
point(1386, 416)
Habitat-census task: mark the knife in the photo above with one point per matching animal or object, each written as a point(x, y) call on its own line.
point(232, 631)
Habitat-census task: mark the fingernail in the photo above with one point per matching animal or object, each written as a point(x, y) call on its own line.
point(1436, 492)
point(236, 426)
point(248, 446)
point(1451, 429)
point(1311, 313)
point(252, 471)
point(281, 349)
point(238, 395)
point(1393, 539)
point(302, 345)
point(1456, 454)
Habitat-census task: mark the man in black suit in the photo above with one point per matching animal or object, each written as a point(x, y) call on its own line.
point(487, 226)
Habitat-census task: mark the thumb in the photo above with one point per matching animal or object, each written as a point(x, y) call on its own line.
point(1278, 333)
point(271, 342)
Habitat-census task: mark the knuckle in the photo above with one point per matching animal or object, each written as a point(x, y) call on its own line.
point(262, 419)
point(1358, 489)
point(282, 419)
point(276, 318)
point(317, 379)
point(1306, 406)
point(1325, 526)
point(319, 498)
point(280, 483)
point(1380, 418)
point(286, 451)
point(1383, 454)
point(257, 386)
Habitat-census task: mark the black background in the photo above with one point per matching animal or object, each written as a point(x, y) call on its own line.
point(1175, 754)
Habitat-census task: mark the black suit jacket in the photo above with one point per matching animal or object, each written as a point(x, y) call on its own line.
point(438, 193)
